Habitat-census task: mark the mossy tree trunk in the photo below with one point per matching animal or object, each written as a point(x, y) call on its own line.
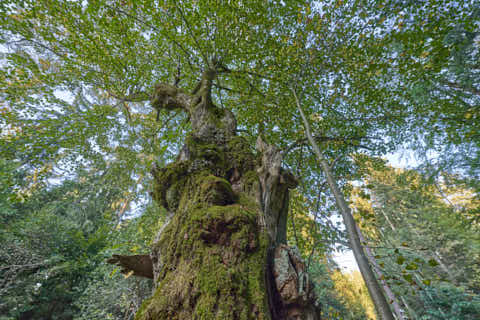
point(222, 253)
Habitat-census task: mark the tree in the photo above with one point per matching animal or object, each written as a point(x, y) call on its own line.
point(416, 233)
point(50, 242)
point(54, 239)
point(94, 60)
point(351, 288)
point(108, 293)
point(375, 291)
point(238, 234)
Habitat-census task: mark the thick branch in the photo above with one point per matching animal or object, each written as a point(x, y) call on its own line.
point(203, 89)
point(166, 96)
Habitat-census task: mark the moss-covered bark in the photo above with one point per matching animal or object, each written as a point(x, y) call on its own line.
point(211, 257)
point(227, 211)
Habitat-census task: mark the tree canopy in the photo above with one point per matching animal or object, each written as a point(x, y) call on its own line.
point(373, 77)
point(77, 76)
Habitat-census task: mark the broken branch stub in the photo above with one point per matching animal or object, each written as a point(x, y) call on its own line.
point(274, 195)
point(141, 265)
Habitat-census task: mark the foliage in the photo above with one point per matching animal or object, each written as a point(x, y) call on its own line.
point(342, 296)
point(352, 290)
point(424, 240)
point(309, 227)
point(49, 245)
point(449, 302)
point(373, 76)
point(91, 63)
point(54, 244)
point(109, 295)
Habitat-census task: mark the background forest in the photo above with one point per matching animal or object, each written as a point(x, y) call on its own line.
point(78, 138)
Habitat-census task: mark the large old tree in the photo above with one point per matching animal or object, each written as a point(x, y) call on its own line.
point(208, 99)
point(222, 252)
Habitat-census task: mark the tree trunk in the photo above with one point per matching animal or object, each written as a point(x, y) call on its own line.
point(386, 288)
point(438, 258)
point(222, 254)
point(381, 304)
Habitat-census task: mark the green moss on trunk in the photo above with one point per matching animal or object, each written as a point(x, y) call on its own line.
point(213, 252)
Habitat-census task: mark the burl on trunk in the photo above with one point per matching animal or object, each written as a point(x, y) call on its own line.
point(222, 253)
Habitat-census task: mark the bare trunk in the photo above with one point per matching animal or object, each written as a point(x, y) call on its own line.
point(438, 258)
point(374, 200)
point(374, 289)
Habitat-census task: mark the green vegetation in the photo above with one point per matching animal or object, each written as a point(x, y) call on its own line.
point(90, 165)
point(53, 247)
point(425, 240)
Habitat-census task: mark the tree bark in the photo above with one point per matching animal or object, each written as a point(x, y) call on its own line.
point(222, 253)
point(381, 304)
point(386, 288)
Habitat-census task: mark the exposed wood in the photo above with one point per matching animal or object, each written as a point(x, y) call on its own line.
point(140, 265)
point(274, 185)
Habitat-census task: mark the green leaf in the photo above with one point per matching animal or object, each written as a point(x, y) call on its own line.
point(411, 266)
point(408, 277)
point(115, 270)
point(432, 263)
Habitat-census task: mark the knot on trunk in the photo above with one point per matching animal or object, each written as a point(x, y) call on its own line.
point(216, 191)
point(228, 226)
point(169, 184)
